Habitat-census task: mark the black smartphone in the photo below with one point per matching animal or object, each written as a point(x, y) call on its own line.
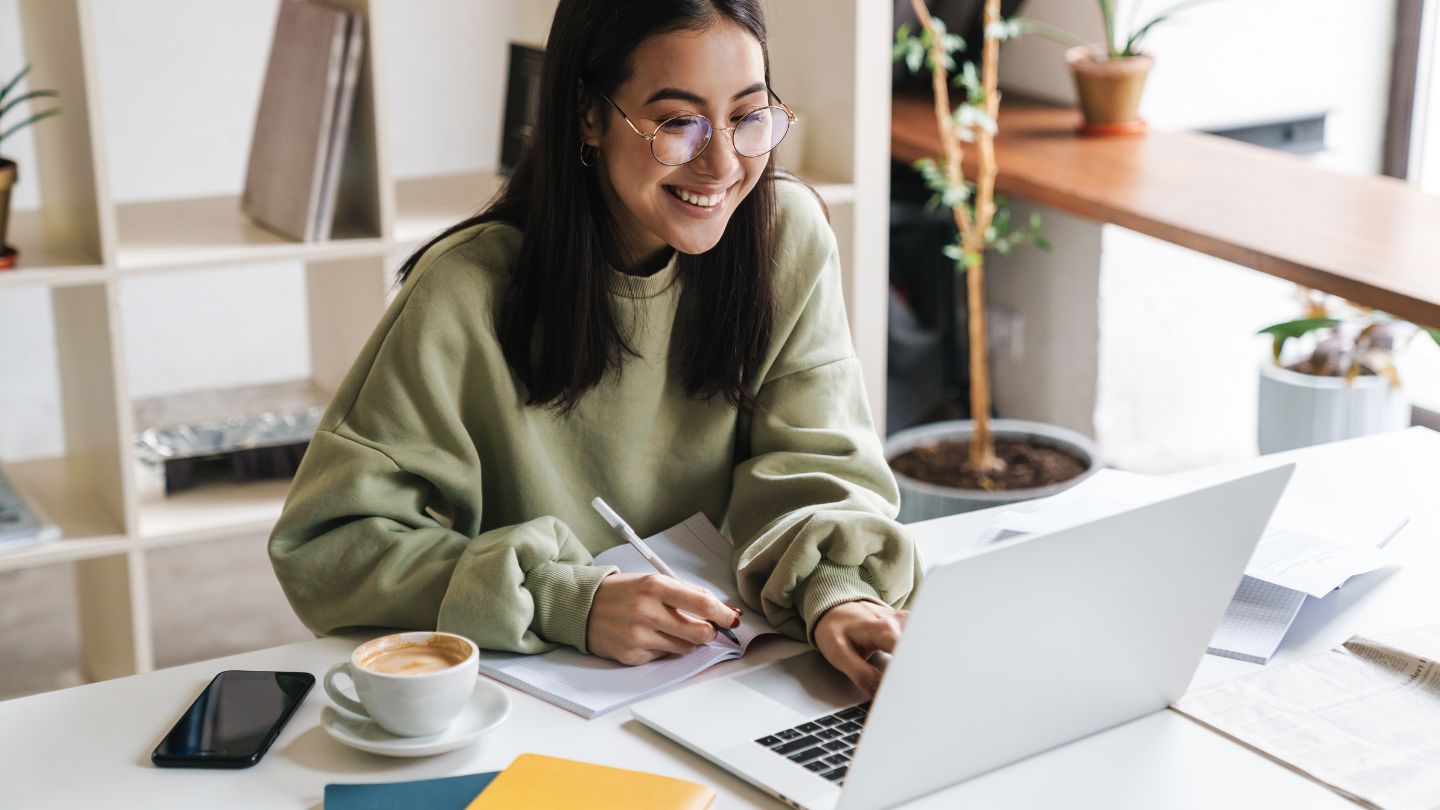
point(234, 721)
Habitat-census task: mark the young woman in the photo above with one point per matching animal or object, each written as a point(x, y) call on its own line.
point(646, 314)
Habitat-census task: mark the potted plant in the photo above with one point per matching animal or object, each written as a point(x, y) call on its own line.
point(1109, 78)
point(8, 171)
point(1341, 384)
point(960, 465)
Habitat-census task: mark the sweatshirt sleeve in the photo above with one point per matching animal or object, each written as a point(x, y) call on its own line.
point(813, 501)
point(383, 523)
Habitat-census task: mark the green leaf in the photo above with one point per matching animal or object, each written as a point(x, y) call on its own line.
point(1433, 333)
point(27, 122)
point(10, 85)
point(1282, 332)
point(914, 60)
point(952, 252)
point(1025, 25)
point(1043, 243)
point(9, 105)
point(1132, 45)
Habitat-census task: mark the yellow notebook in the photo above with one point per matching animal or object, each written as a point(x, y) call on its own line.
point(535, 782)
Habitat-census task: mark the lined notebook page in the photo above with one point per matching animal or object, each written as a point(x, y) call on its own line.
point(589, 685)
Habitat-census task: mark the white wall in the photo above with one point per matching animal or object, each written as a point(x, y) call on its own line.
point(1176, 350)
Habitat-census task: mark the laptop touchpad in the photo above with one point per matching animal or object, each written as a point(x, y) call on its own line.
point(804, 683)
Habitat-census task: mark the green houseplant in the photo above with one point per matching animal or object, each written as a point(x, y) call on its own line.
point(1342, 382)
point(954, 466)
point(9, 174)
point(1109, 77)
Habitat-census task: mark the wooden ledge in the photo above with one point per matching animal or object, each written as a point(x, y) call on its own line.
point(1372, 239)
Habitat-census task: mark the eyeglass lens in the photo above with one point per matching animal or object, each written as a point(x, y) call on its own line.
point(682, 139)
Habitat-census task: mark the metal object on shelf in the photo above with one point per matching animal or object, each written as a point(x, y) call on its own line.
point(249, 433)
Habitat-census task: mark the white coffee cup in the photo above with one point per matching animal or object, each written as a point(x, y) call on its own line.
point(411, 684)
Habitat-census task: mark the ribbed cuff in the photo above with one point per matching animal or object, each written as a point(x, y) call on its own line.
point(562, 595)
point(827, 586)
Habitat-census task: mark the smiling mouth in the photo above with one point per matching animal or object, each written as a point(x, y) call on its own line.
point(698, 200)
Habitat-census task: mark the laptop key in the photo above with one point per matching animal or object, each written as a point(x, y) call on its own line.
point(808, 728)
point(851, 726)
point(788, 734)
point(850, 713)
point(806, 755)
point(817, 766)
point(853, 739)
point(830, 720)
point(837, 774)
point(829, 734)
point(835, 745)
point(769, 741)
point(796, 745)
point(838, 759)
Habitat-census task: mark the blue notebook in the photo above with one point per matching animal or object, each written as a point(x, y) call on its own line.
point(448, 793)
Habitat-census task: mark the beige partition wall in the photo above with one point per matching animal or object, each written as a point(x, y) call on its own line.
point(422, 154)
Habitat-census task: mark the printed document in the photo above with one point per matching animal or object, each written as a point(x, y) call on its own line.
point(1363, 718)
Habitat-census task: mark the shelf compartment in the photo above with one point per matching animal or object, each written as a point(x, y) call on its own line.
point(211, 231)
point(87, 529)
point(46, 260)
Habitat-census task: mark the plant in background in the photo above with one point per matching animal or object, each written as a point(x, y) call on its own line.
point(8, 172)
point(982, 223)
point(7, 104)
point(1109, 78)
point(1348, 340)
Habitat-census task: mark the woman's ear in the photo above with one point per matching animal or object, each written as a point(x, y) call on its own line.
point(590, 128)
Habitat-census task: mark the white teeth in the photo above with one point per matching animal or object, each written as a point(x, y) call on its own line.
point(704, 201)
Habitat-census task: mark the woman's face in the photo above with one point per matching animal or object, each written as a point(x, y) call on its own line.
point(718, 72)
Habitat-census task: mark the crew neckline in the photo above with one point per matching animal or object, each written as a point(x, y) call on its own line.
point(628, 286)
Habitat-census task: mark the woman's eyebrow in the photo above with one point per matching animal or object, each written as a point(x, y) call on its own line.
point(685, 95)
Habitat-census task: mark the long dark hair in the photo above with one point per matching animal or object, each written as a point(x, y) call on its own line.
point(556, 322)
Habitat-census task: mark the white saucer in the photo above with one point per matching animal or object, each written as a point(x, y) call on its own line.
point(488, 708)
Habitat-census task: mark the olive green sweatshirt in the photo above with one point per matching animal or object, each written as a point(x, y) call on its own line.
point(432, 497)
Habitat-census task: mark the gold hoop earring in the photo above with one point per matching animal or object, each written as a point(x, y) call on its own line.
point(583, 161)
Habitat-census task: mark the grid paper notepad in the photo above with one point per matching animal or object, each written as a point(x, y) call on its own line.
point(591, 686)
point(1256, 621)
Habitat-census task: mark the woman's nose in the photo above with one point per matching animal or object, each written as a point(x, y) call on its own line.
point(719, 158)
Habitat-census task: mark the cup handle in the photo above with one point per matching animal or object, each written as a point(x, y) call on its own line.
point(347, 703)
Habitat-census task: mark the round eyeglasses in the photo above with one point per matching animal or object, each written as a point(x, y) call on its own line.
point(682, 138)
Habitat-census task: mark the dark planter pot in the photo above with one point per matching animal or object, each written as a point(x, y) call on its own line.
point(921, 500)
point(8, 176)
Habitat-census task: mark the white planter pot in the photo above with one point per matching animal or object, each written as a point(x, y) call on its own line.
point(920, 500)
point(1300, 410)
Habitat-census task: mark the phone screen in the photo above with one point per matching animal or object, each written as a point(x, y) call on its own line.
point(234, 720)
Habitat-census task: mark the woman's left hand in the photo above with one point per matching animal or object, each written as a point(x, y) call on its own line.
point(849, 633)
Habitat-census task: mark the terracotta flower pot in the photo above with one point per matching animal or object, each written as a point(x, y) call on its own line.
point(1109, 89)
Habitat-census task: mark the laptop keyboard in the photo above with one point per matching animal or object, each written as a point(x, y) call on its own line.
point(823, 745)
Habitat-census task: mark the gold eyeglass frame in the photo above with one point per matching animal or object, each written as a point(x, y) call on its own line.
point(714, 130)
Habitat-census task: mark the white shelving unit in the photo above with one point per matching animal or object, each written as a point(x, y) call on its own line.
point(830, 59)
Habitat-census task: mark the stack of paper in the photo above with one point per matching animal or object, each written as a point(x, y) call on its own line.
point(1308, 550)
point(20, 523)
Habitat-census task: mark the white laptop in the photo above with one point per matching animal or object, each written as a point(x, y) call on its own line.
point(1009, 651)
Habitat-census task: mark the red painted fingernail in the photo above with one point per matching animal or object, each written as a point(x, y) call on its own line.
point(735, 623)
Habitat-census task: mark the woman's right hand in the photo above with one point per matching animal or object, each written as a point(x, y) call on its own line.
point(636, 618)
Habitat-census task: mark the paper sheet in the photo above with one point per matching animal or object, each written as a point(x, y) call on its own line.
point(1363, 718)
point(1308, 548)
point(589, 685)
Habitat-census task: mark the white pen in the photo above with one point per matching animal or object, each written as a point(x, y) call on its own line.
point(618, 524)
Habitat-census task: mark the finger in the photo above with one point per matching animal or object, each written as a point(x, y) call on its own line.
point(684, 626)
point(852, 665)
point(696, 601)
point(665, 643)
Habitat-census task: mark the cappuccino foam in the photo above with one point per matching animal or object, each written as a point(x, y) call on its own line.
point(413, 659)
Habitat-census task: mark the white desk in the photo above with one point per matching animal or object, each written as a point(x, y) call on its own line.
point(91, 744)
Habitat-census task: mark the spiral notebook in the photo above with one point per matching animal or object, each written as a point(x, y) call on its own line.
point(591, 686)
